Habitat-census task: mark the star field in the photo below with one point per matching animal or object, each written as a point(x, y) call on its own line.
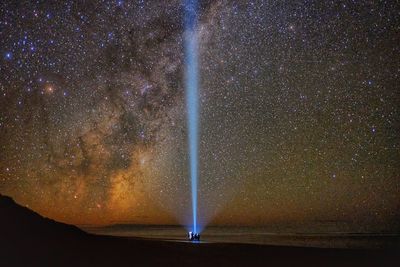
point(299, 108)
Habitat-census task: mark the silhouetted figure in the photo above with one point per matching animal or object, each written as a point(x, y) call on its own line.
point(193, 236)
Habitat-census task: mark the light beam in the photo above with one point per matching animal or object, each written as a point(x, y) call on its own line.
point(192, 105)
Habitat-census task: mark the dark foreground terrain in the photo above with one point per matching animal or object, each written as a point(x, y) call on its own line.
point(27, 239)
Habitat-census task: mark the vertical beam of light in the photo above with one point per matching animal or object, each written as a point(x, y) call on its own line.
point(192, 105)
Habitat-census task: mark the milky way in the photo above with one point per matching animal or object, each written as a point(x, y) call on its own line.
point(298, 102)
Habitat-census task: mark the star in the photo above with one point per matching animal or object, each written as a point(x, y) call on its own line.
point(8, 56)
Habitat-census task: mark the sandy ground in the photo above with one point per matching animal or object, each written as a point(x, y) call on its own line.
point(109, 251)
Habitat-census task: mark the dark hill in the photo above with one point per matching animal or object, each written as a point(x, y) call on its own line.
point(28, 239)
point(19, 222)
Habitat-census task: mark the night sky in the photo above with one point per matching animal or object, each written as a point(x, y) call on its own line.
point(299, 108)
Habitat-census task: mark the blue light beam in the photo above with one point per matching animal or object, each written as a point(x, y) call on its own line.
point(192, 105)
